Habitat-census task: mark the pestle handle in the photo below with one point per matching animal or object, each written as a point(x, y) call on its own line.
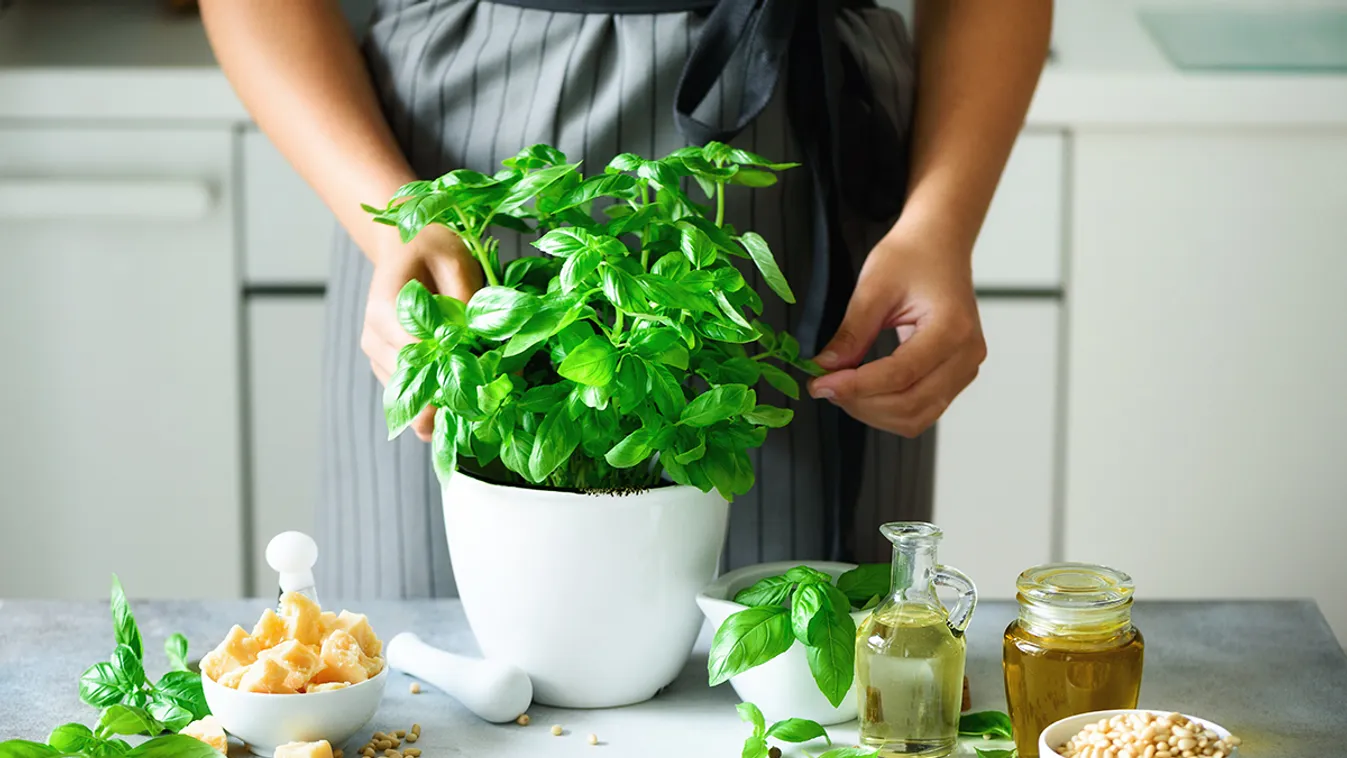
point(495, 691)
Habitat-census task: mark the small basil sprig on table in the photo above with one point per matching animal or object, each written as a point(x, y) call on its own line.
point(787, 730)
point(620, 356)
point(819, 617)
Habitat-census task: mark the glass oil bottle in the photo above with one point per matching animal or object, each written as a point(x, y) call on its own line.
point(910, 651)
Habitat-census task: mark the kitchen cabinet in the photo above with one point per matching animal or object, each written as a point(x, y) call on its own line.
point(1020, 247)
point(284, 357)
point(1206, 416)
point(996, 450)
point(287, 230)
point(119, 331)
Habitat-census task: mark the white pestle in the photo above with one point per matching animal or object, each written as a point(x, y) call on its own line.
point(292, 555)
point(495, 691)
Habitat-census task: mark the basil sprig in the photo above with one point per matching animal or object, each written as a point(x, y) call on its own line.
point(818, 616)
point(628, 352)
point(990, 724)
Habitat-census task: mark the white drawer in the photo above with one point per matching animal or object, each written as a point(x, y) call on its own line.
point(1021, 242)
point(287, 229)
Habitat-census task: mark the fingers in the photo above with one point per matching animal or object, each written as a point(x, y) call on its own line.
point(424, 423)
point(911, 412)
point(866, 313)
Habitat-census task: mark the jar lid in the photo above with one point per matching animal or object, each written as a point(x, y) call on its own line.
point(1080, 586)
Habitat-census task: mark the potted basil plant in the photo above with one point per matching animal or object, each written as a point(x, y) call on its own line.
point(594, 404)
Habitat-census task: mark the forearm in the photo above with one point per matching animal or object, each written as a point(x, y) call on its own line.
point(296, 67)
point(978, 63)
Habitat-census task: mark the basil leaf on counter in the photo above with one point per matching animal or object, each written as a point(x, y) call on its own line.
point(748, 638)
point(752, 715)
point(128, 667)
point(850, 752)
point(26, 749)
point(173, 746)
point(124, 626)
point(175, 648)
point(100, 686)
point(184, 689)
point(993, 724)
point(125, 719)
point(73, 738)
point(798, 730)
point(996, 752)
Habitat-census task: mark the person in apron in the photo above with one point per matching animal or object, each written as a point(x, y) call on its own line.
point(881, 124)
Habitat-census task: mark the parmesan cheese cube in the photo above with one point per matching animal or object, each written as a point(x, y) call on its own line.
point(270, 630)
point(232, 679)
point(358, 626)
point(299, 660)
point(319, 749)
point(236, 651)
point(327, 686)
point(301, 618)
point(266, 676)
point(327, 621)
point(209, 731)
point(345, 661)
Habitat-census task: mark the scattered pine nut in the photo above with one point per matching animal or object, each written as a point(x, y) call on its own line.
point(414, 752)
point(593, 739)
point(392, 754)
point(377, 736)
point(412, 737)
point(556, 730)
point(523, 719)
point(400, 733)
point(416, 729)
point(415, 688)
point(396, 742)
point(384, 744)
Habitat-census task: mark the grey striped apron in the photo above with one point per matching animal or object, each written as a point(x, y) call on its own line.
point(465, 84)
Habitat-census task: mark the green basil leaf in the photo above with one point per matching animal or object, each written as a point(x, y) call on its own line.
point(409, 390)
point(798, 730)
point(535, 156)
point(676, 356)
point(748, 638)
point(670, 294)
point(460, 377)
point(123, 719)
point(532, 185)
point(173, 746)
point(701, 167)
point(522, 269)
point(992, 724)
point(755, 747)
point(183, 688)
point(653, 342)
point(699, 281)
point(753, 178)
point(623, 289)
point(660, 173)
point(557, 438)
point(499, 312)
point(564, 243)
point(696, 246)
point(554, 315)
point(466, 178)
point(780, 380)
point(832, 654)
point(809, 367)
point(594, 397)
point(715, 152)
point(850, 752)
point(750, 714)
point(444, 445)
point(633, 449)
point(578, 267)
point(722, 239)
point(767, 415)
point(128, 666)
point(671, 265)
point(175, 648)
point(416, 312)
point(100, 686)
point(745, 158)
point(71, 739)
point(603, 185)
point(865, 581)
point(169, 713)
point(808, 602)
point(725, 331)
point(805, 575)
point(773, 590)
point(626, 162)
point(26, 749)
point(714, 405)
point(789, 346)
point(631, 384)
point(515, 452)
point(542, 398)
point(731, 311)
point(872, 603)
point(983, 752)
point(666, 391)
point(124, 627)
point(490, 396)
point(728, 469)
point(729, 279)
point(762, 256)
point(694, 453)
point(593, 362)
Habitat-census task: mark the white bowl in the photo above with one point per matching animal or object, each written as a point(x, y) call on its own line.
point(265, 721)
point(782, 687)
point(1059, 732)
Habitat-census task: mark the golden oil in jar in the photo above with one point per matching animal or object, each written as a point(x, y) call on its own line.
point(1073, 648)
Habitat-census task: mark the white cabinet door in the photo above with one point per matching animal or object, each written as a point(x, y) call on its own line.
point(287, 229)
point(1207, 411)
point(996, 450)
point(284, 392)
point(119, 334)
point(1021, 242)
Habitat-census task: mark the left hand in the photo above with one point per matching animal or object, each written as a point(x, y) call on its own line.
point(925, 291)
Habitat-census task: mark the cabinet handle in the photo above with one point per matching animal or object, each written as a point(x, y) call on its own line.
point(75, 199)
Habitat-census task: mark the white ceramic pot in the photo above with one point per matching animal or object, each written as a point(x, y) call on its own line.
point(782, 687)
point(592, 595)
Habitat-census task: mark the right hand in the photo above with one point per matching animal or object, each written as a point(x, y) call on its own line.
point(440, 260)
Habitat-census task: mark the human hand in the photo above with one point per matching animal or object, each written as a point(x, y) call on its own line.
point(925, 291)
point(439, 259)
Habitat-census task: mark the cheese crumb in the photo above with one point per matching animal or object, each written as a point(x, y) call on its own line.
point(319, 749)
point(209, 731)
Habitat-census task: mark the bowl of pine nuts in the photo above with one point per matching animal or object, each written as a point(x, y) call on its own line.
point(1136, 733)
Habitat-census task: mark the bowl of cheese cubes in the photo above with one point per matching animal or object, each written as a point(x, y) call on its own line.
point(301, 675)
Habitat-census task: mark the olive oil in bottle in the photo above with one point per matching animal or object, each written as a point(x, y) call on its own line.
point(910, 652)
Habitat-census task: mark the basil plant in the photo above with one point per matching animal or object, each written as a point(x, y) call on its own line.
point(626, 351)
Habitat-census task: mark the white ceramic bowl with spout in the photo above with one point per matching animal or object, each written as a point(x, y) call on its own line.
point(266, 721)
point(782, 687)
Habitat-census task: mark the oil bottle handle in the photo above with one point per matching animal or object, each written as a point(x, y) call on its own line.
point(962, 612)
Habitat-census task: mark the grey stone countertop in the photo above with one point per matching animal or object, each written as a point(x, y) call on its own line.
point(1271, 671)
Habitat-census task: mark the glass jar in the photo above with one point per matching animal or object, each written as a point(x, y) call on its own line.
point(1073, 648)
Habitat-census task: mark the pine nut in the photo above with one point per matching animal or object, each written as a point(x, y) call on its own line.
point(593, 739)
point(556, 730)
point(415, 688)
point(413, 737)
point(400, 733)
point(413, 752)
point(523, 719)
